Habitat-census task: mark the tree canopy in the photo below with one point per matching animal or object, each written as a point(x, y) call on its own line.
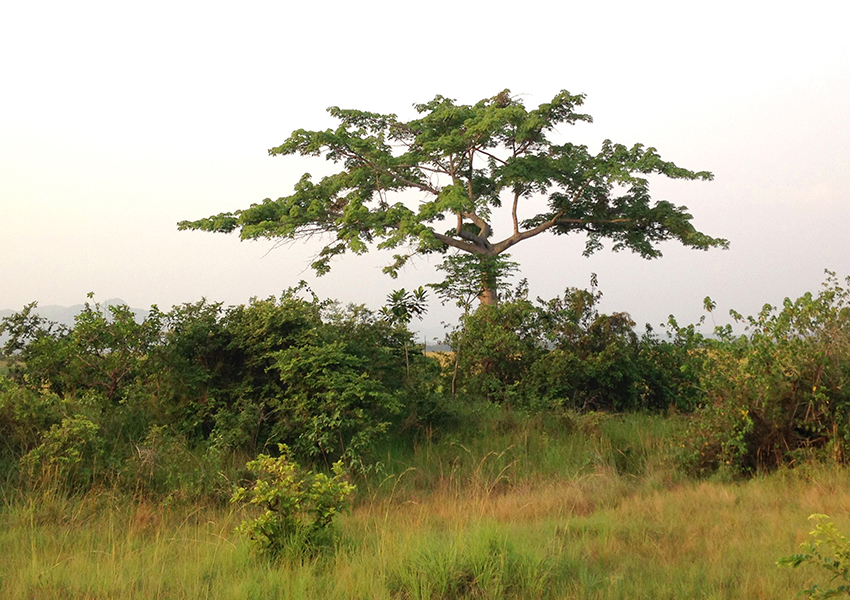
point(431, 184)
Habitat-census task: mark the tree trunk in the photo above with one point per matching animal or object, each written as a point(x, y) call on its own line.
point(488, 296)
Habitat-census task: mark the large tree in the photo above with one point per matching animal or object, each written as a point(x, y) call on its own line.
point(432, 184)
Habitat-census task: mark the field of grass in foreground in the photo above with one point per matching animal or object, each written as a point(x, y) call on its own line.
point(520, 508)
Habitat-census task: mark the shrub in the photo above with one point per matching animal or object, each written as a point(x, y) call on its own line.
point(496, 346)
point(828, 549)
point(779, 391)
point(329, 407)
point(67, 454)
point(25, 414)
point(299, 505)
point(564, 352)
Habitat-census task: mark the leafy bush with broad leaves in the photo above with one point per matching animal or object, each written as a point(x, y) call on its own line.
point(329, 407)
point(299, 506)
point(326, 380)
point(67, 454)
point(829, 550)
point(781, 390)
point(103, 354)
point(595, 360)
point(25, 415)
point(495, 347)
point(565, 353)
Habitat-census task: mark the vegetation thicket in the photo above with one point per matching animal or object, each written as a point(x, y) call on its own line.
point(552, 453)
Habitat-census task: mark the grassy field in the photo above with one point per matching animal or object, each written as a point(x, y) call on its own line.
point(578, 507)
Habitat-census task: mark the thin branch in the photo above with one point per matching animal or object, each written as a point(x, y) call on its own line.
point(421, 186)
point(469, 180)
point(493, 156)
point(442, 170)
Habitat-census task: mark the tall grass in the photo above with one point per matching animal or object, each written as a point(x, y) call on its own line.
point(567, 507)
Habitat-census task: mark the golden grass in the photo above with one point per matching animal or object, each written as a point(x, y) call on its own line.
point(481, 532)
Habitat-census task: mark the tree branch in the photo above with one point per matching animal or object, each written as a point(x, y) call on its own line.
point(483, 225)
point(470, 247)
point(407, 182)
point(556, 220)
point(478, 240)
point(493, 156)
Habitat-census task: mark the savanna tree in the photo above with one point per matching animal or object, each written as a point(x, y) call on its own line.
point(432, 184)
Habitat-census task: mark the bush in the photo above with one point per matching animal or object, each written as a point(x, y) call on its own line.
point(299, 506)
point(68, 454)
point(565, 353)
point(329, 407)
point(495, 348)
point(25, 415)
point(779, 392)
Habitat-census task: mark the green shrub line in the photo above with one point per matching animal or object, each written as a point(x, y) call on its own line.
point(302, 417)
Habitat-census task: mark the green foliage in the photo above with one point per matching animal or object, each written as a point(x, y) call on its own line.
point(780, 391)
point(299, 507)
point(563, 352)
point(25, 414)
point(595, 361)
point(673, 366)
point(22, 328)
point(829, 550)
point(328, 407)
point(402, 305)
point(164, 465)
point(467, 276)
point(496, 346)
point(463, 162)
point(200, 382)
point(67, 454)
point(101, 356)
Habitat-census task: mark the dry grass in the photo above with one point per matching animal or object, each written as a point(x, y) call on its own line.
point(487, 528)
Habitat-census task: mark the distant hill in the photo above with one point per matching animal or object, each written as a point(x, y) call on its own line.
point(65, 314)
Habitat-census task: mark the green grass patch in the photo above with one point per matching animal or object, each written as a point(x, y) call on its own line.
point(546, 507)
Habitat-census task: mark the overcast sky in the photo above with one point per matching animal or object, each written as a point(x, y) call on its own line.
point(119, 119)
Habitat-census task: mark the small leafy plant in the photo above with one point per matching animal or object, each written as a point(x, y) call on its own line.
point(299, 505)
point(828, 549)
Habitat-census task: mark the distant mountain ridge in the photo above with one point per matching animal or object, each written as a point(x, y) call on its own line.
point(65, 315)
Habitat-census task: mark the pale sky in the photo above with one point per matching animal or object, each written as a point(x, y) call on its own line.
point(119, 119)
